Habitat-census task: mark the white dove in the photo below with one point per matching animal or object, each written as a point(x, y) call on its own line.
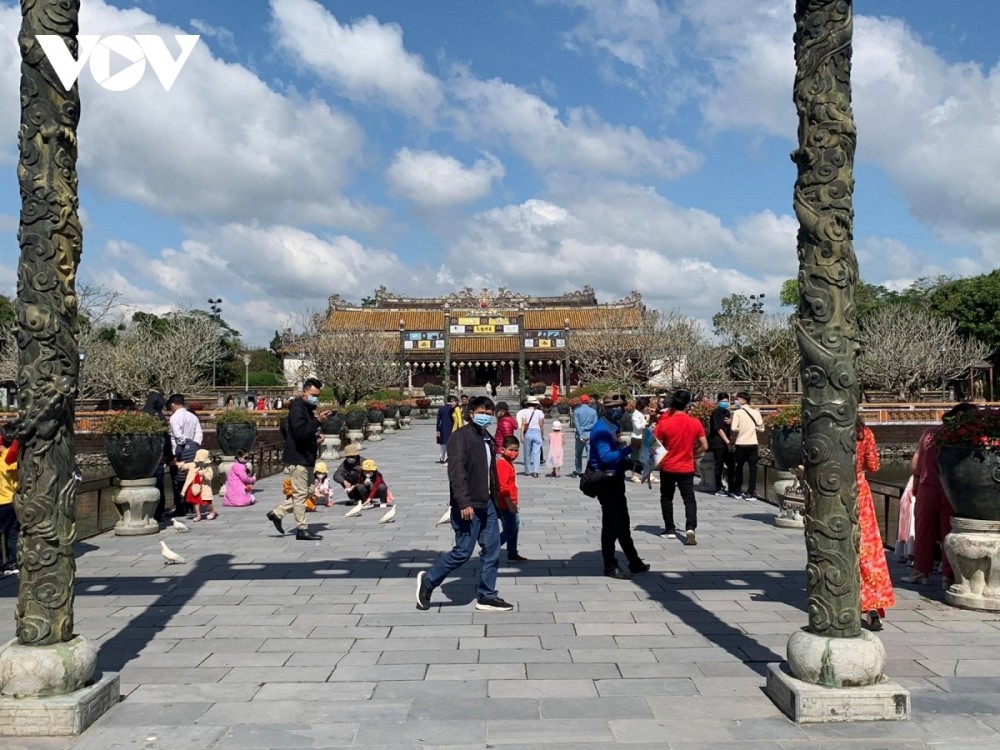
point(445, 518)
point(169, 555)
point(180, 527)
point(355, 511)
point(389, 517)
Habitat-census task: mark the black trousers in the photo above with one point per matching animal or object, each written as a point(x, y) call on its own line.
point(724, 462)
point(685, 483)
point(746, 455)
point(361, 493)
point(616, 526)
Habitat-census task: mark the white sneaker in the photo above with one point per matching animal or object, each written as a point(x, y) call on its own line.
point(689, 538)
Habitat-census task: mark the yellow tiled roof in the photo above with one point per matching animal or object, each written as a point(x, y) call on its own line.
point(580, 318)
point(486, 345)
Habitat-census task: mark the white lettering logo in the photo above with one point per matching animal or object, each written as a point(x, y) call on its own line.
point(136, 51)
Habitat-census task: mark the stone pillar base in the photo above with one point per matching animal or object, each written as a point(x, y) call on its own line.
point(805, 703)
point(329, 451)
point(224, 467)
point(136, 500)
point(973, 549)
point(374, 432)
point(355, 436)
point(60, 715)
point(389, 427)
point(404, 423)
point(791, 504)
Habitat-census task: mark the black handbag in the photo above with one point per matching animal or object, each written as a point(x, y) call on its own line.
point(590, 482)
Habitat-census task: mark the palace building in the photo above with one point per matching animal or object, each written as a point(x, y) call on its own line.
point(486, 336)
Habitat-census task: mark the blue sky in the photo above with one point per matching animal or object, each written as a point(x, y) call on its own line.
point(311, 148)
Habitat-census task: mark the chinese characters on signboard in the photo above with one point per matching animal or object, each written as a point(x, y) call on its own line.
point(554, 339)
point(482, 325)
point(426, 340)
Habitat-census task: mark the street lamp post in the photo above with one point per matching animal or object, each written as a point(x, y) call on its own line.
point(215, 306)
point(246, 364)
point(757, 303)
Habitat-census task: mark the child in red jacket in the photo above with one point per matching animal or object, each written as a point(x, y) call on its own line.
point(510, 518)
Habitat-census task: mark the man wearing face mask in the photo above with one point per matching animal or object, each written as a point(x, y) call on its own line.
point(722, 445)
point(475, 498)
point(302, 439)
point(348, 474)
point(611, 456)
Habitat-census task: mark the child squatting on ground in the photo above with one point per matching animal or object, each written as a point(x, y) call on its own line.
point(510, 518)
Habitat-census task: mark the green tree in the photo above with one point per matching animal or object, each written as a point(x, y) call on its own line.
point(7, 314)
point(973, 303)
point(276, 345)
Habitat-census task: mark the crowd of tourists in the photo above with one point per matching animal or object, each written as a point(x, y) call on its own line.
point(653, 440)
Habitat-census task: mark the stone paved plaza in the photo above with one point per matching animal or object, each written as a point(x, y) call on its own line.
point(266, 642)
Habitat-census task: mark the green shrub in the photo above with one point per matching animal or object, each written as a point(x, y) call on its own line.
point(133, 423)
point(265, 380)
point(235, 416)
point(433, 389)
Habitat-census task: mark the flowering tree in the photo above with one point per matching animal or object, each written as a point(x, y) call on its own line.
point(353, 362)
point(905, 350)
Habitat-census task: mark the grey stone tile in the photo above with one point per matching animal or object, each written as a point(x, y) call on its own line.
point(542, 688)
point(619, 707)
point(550, 731)
point(475, 672)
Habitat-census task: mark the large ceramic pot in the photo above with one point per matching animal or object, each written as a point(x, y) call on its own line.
point(562, 408)
point(971, 480)
point(134, 456)
point(333, 424)
point(389, 412)
point(354, 420)
point(375, 416)
point(235, 436)
point(786, 447)
point(404, 411)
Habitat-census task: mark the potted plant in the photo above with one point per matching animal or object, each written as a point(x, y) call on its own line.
point(236, 430)
point(702, 411)
point(376, 411)
point(389, 409)
point(354, 416)
point(537, 389)
point(969, 463)
point(546, 402)
point(134, 443)
point(333, 424)
point(406, 407)
point(786, 436)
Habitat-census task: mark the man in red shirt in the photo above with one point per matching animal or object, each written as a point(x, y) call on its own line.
point(684, 438)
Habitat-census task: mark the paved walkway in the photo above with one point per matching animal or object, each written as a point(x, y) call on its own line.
point(265, 642)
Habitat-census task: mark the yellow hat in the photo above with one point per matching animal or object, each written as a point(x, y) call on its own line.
point(369, 465)
point(320, 468)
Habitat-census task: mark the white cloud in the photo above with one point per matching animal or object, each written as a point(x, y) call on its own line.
point(225, 38)
point(633, 32)
point(624, 237)
point(584, 142)
point(928, 123)
point(366, 60)
point(433, 180)
point(219, 145)
point(264, 274)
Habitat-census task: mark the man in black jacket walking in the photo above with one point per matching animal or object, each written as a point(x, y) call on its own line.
point(302, 439)
point(474, 489)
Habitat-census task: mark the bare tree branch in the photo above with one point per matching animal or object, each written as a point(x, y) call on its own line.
point(353, 362)
point(904, 350)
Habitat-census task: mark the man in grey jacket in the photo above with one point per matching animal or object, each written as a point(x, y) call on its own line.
point(475, 495)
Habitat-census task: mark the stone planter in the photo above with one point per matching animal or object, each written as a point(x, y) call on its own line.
point(136, 500)
point(971, 480)
point(235, 436)
point(329, 450)
point(355, 436)
point(375, 416)
point(973, 548)
point(374, 431)
point(355, 420)
point(405, 411)
point(333, 425)
point(404, 423)
point(562, 409)
point(134, 456)
point(786, 447)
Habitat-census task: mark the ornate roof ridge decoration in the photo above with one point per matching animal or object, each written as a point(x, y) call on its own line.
point(486, 300)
